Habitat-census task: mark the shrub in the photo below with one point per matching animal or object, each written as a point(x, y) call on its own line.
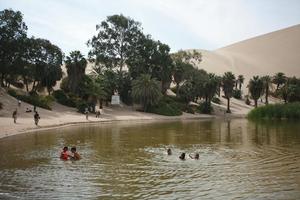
point(276, 111)
point(82, 105)
point(64, 99)
point(64, 84)
point(188, 109)
point(166, 106)
point(216, 100)
point(247, 101)
point(40, 101)
point(237, 94)
point(205, 108)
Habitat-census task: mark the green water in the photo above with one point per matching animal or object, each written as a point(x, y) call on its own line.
point(238, 160)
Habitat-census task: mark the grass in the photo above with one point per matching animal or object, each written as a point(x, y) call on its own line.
point(276, 111)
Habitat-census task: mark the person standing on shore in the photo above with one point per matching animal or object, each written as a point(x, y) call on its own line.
point(86, 114)
point(15, 115)
point(19, 103)
point(36, 118)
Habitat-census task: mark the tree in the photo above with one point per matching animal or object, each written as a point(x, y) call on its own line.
point(47, 64)
point(115, 42)
point(180, 72)
point(267, 81)
point(240, 81)
point(210, 88)
point(12, 33)
point(279, 79)
point(228, 82)
point(146, 90)
point(76, 65)
point(256, 87)
point(186, 91)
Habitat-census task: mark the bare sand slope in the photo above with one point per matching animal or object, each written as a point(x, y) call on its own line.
point(267, 54)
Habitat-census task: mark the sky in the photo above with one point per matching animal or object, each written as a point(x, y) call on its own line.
point(182, 24)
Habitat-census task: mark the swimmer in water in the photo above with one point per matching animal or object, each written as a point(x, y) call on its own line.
point(75, 155)
point(196, 157)
point(169, 151)
point(64, 155)
point(182, 156)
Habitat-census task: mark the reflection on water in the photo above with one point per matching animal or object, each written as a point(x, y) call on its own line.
point(238, 159)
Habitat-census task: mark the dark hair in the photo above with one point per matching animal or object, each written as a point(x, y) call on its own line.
point(73, 149)
point(182, 156)
point(65, 148)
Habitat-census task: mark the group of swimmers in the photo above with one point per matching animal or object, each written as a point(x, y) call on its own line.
point(182, 155)
point(66, 155)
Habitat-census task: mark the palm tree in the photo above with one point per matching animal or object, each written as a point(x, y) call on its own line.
point(267, 81)
point(279, 79)
point(256, 87)
point(146, 91)
point(210, 87)
point(241, 81)
point(228, 82)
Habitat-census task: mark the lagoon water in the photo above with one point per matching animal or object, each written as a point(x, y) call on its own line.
point(239, 159)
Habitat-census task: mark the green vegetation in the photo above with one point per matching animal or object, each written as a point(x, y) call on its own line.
point(276, 111)
point(256, 87)
point(228, 81)
point(125, 61)
point(166, 106)
point(39, 101)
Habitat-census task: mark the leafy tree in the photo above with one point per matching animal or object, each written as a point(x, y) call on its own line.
point(228, 82)
point(210, 88)
point(256, 88)
point(267, 81)
point(48, 61)
point(186, 92)
point(115, 42)
point(12, 33)
point(181, 72)
point(76, 65)
point(146, 90)
point(279, 79)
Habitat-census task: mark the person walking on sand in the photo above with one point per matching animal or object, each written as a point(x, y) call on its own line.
point(86, 114)
point(36, 118)
point(14, 115)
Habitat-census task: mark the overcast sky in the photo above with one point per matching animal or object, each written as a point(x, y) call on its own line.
point(182, 24)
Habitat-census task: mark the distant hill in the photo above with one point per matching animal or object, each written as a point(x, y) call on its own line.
point(267, 54)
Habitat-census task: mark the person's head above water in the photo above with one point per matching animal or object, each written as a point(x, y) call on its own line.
point(73, 149)
point(197, 156)
point(182, 156)
point(65, 149)
point(169, 151)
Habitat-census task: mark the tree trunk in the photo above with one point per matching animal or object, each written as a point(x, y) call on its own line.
point(255, 103)
point(228, 105)
point(177, 88)
point(267, 95)
point(33, 86)
point(101, 103)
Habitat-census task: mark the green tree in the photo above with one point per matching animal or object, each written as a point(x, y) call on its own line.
point(279, 79)
point(256, 88)
point(228, 83)
point(186, 91)
point(267, 81)
point(76, 65)
point(47, 64)
point(115, 42)
point(12, 33)
point(146, 90)
point(240, 81)
point(210, 88)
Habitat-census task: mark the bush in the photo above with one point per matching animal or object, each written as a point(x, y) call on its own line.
point(205, 108)
point(64, 99)
point(247, 101)
point(216, 100)
point(276, 111)
point(237, 94)
point(40, 101)
point(82, 105)
point(166, 106)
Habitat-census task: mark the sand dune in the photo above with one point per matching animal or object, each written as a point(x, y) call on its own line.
point(267, 54)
